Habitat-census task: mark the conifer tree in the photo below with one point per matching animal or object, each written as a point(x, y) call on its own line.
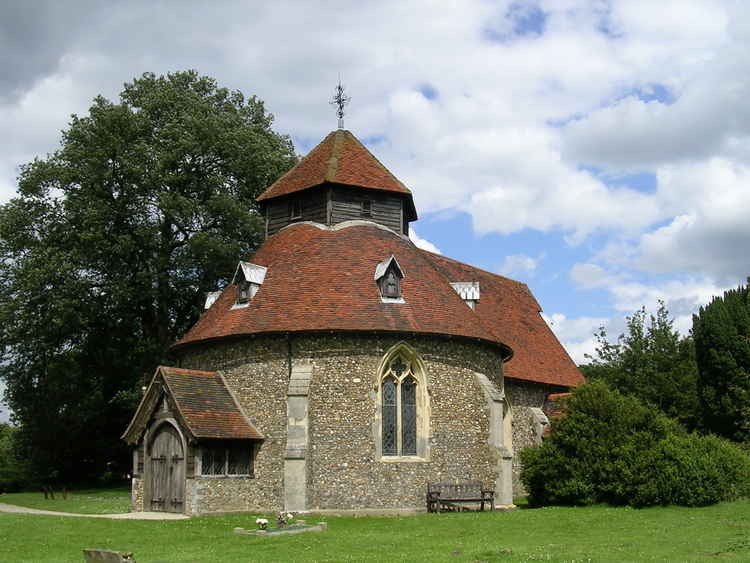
point(722, 343)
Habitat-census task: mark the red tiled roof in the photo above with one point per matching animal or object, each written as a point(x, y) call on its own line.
point(339, 158)
point(322, 279)
point(203, 402)
point(509, 309)
point(207, 406)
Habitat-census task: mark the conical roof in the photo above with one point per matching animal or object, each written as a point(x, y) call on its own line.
point(339, 158)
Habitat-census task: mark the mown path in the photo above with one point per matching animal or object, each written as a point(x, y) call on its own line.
point(126, 516)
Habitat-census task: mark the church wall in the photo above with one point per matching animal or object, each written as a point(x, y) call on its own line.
point(343, 470)
point(136, 496)
point(524, 396)
point(256, 371)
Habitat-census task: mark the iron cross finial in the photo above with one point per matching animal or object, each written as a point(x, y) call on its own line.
point(340, 99)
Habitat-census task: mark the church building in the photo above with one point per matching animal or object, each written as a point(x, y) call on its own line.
point(344, 369)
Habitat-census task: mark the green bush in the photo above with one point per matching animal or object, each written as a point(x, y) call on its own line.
point(13, 474)
point(612, 448)
point(694, 470)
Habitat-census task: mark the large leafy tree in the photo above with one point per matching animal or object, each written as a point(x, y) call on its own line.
point(652, 362)
point(722, 343)
point(109, 247)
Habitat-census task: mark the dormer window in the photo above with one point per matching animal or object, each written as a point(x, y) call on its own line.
point(295, 209)
point(366, 210)
point(391, 285)
point(246, 291)
point(388, 275)
point(248, 278)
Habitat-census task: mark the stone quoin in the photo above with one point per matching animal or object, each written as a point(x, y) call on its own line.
point(344, 368)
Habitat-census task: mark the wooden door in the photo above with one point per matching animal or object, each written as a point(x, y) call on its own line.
point(167, 471)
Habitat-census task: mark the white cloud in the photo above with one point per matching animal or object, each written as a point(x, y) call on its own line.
point(577, 334)
point(589, 276)
point(519, 265)
point(424, 244)
point(711, 226)
point(508, 136)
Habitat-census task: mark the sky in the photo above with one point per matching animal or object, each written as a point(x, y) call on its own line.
point(598, 151)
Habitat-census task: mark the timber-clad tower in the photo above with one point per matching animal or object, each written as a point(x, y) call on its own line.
point(344, 368)
point(340, 180)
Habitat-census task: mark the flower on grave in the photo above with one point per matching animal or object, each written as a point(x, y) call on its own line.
point(262, 523)
point(284, 518)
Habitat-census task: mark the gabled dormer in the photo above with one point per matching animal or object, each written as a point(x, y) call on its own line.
point(339, 180)
point(388, 276)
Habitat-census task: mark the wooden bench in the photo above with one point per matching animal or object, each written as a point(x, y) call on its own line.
point(106, 556)
point(447, 495)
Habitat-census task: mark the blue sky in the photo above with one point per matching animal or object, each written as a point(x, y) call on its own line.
point(597, 150)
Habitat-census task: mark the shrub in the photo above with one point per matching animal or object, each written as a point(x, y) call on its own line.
point(694, 470)
point(13, 475)
point(612, 448)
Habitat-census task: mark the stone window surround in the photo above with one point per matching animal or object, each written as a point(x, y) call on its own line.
point(418, 371)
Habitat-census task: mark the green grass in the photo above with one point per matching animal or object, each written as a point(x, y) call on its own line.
point(596, 533)
point(88, 501)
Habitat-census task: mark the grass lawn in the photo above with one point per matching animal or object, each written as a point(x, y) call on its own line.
point(87, 501)
point(597, 533)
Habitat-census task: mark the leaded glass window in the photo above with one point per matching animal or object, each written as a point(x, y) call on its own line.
point(409, 416)
point(390, 422)
point(238, 459)
point(227, 458)
point(399, 410)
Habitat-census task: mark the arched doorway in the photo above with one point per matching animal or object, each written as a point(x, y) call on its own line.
point(167, 461)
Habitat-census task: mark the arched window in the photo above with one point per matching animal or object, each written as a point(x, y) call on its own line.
point(399, 391)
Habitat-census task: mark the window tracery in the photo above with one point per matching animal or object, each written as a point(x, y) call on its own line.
point(399, 390)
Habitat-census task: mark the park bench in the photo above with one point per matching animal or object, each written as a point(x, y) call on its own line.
point(441, 496)
point(106, 556)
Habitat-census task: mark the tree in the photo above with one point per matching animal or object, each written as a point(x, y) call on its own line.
point(109, 247)
point(609, 447)
point(12, 475)
point(722, 344)
point(651, 362)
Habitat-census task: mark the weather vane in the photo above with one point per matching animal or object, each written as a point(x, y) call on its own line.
point(340, 99)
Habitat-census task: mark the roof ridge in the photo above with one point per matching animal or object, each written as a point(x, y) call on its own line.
point(375, 158)
point(522, 285)
point(299, 162)
point(339, 158)
point(178, 406)
point(480, 320)
point(444, 257)
point(189, 371)
point(333, 161)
